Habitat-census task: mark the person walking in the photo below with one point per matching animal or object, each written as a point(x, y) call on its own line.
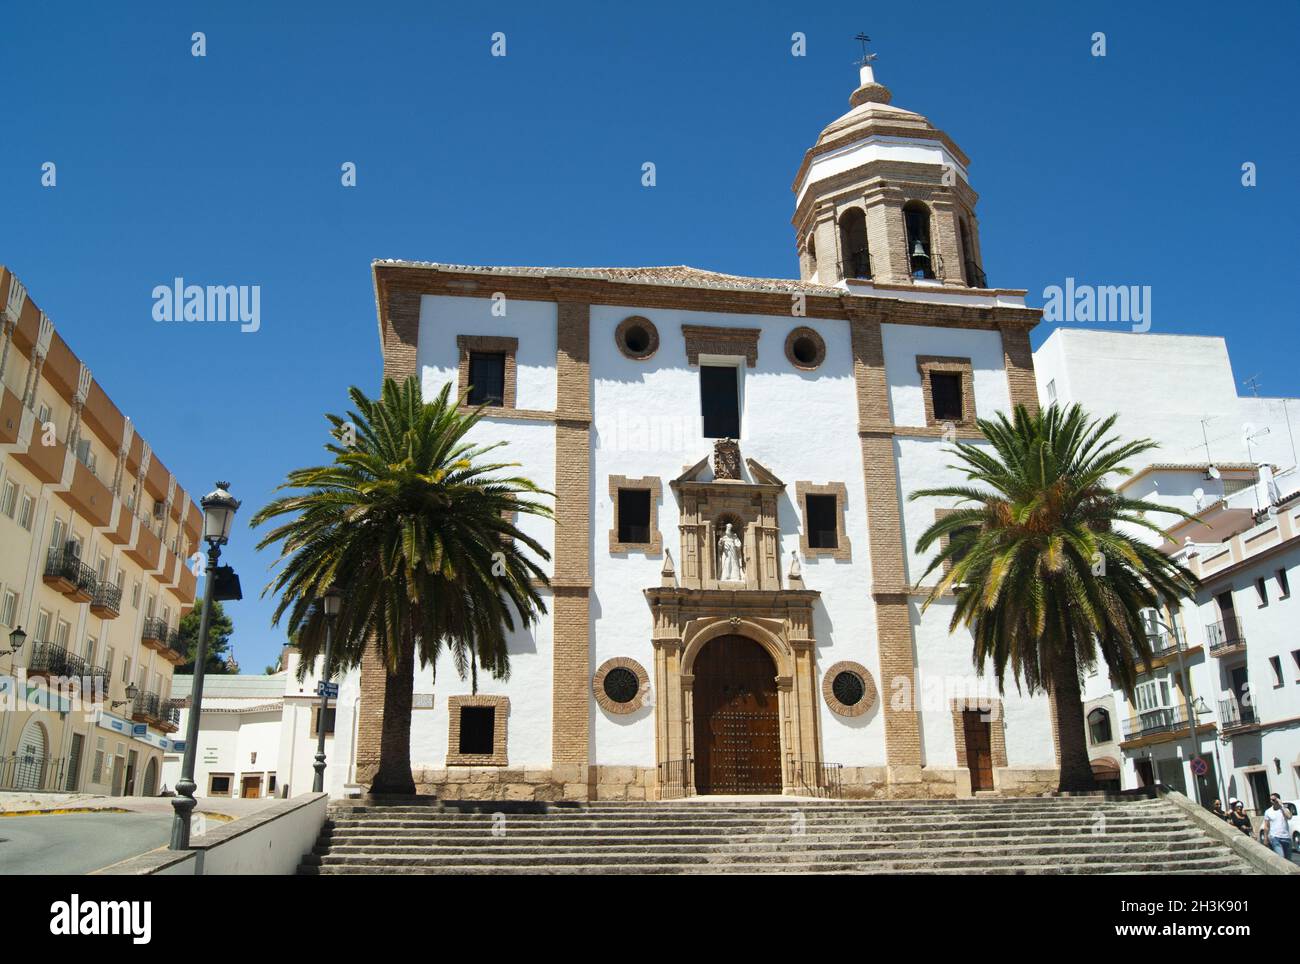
point(1278, 820)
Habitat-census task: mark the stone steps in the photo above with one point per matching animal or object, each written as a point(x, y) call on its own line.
point(1037, 835)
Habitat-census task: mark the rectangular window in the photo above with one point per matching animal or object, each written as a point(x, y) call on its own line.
point(270, 784)
point(135, 595)
point(1295, 658)
point(634, 515)
point(62, 630)
point(126, 669)
point(945, 393)
point(97, 772)
point(1051, 391)
point(487, 378)
point(315, 721)
point(219, 785)
point(42, 627)
point(1275, 664)
point(26, 511)
point(109, 658)
point(477, 729)
point(1283, 584)
point(43, 413)
point(820, 517)
point(1261, 591)
point(720, 401)
point(9, 607)
point(9, 498)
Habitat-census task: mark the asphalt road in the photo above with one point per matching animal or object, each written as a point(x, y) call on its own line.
point(77, 843)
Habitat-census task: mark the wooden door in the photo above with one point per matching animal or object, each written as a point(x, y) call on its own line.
point(252, 787)
point(979, 749)
point(737, 723)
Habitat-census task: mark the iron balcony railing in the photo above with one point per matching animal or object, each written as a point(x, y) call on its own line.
point(67, 565)
point(975, 276)
point(857, 264)
point(175, 643)
point(1225, 636)
point(1162, 643)
point(818, 779)
point(170, 712)
point(155, 629)
point(51, 659)
point(29, 771)
point(107, 596)
point(675, 779)
point(1150, 722)
point(147, 705)
point(1233, 716)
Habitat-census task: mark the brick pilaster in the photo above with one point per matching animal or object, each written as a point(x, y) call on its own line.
point(1018, 358)
point(571, 580)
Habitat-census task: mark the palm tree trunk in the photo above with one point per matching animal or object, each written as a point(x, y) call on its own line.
point(394, 774)
point(1076, 770)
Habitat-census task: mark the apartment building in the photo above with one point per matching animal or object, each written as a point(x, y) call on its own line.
point(94, 537)
point(1218, 713)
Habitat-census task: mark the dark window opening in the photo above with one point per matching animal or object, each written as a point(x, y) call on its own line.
point(1099, 726)
point(805, 350)
point(720, 401)
point(487, 378)
point(329, 721)
point(621, 685)
point(634, 515)
point(919, 256)
point(1283, 584)
point(637, 339)
point(219, 786)
point(945, 395)
point(477, 729)
point(820, 517)
point(848, 688)
point(853, 245)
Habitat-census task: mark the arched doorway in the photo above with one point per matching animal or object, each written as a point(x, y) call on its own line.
point(737, 720)
point(29, 771)
point(151, 778)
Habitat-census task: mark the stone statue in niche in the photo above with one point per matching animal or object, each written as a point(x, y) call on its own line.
point(731, 566)
point(726, 459)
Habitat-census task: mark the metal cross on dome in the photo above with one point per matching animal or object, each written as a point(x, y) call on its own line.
point(866, 57)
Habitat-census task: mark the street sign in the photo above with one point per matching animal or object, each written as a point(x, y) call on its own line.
point(1200, 767)
point(329, 690)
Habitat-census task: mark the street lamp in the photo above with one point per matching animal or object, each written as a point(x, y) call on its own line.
point(16, 640)
point(219, 508)
point(132, 691)
point(333, 603)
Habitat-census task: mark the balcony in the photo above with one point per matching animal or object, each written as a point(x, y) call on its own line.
point(1225, 638)
point(169, 716)
point(1153, 722)
point(1236, 718)
point(51, 660)
point(65, 572)
point(975, 277)
point(154, 634)
point(856, 265)
point(146, 708)
point(174, 649)
point(107, 603)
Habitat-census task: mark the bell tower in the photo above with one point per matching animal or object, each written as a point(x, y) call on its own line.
point(884, 198)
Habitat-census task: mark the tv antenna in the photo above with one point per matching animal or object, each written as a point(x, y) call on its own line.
point(1253, 384)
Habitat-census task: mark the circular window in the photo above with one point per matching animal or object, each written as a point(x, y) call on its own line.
point(848, 689)
point(620, 685)
point(805, 349)
point(637, 337)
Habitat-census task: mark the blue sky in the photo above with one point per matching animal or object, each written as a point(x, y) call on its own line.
point(226, 170)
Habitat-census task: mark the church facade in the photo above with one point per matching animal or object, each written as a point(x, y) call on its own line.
point(735, 600)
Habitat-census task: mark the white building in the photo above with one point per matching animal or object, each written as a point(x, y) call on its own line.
point(663, 405)
point(1225, 688)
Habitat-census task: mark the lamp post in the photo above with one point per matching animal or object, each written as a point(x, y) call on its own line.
point(219, 508)
point(132, 691)
point(333, 601)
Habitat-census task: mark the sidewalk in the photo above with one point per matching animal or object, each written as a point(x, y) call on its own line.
point(221, 808)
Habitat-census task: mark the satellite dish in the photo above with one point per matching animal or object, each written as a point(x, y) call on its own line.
point(1213, 472)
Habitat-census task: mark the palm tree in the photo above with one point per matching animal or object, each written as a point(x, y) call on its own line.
point(418, 528)
point(1042, 557)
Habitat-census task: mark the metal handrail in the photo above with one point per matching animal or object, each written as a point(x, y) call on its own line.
point(975, 275)
point(674, 779)
point(108, 596)
point(55, 660)
point(154, 628)
point(819, 779)
point(856, 264)
point(1161, 720)
point(147, 705)
point(24, 771)
point(1233, 714)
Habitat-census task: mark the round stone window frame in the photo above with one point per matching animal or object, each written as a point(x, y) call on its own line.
point(819, 345)
point(602, 698)
point(652, 333)
point(869, 692)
